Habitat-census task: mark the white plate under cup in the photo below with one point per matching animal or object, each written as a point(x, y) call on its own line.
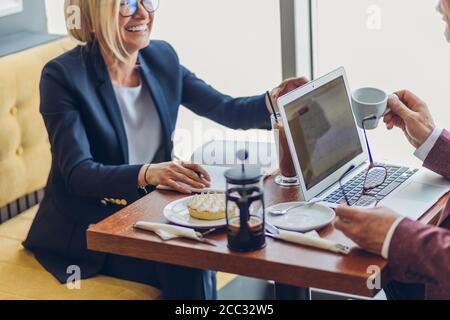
point(303, 219)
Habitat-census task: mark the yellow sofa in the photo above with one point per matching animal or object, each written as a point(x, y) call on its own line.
point(24, 166)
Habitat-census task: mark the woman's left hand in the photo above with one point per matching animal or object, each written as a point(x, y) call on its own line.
point(285, 87)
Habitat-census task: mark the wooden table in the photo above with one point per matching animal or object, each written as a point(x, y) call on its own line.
point(284, 263)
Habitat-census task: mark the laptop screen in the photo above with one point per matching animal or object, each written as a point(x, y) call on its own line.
point(323, 131)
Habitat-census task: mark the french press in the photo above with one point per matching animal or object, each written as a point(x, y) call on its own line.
point(245, 207)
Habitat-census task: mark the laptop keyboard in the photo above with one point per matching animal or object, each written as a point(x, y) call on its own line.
point(395, 177)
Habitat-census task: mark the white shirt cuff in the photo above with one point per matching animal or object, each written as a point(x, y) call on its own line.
point(388, 238)
point(424, 150)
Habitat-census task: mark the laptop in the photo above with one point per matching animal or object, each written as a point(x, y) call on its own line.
point(325, 142)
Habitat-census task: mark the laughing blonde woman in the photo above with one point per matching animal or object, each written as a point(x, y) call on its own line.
point(110, 107)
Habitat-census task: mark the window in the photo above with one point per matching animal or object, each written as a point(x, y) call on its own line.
point(383, 43)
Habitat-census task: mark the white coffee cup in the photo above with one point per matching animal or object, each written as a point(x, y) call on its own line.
point(369, 103)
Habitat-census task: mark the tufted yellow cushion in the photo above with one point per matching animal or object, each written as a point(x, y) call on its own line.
point(24, 149)
point(22, 277)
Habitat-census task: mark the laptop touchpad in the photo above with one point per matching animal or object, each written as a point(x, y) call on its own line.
point(420, 192)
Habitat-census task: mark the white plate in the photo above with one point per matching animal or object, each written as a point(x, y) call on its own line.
point(302, 219)
point(178, 213)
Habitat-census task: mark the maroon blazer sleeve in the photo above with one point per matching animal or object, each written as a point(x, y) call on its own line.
point(420, 254)
point(438, 159)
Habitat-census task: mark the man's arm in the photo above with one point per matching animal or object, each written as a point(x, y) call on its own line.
point(420, 254)
point(417, 254)
point(434, 153)
point(438, 160)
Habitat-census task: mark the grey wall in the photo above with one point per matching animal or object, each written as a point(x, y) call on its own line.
point(26, 29)
point(32, 18)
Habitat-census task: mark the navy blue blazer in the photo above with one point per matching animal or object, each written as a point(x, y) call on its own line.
point(90, 177)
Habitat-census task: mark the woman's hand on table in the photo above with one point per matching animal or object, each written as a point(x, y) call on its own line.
point(284, 88)
point(171, 174)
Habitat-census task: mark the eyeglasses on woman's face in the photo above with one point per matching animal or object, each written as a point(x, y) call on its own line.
point(128, 8)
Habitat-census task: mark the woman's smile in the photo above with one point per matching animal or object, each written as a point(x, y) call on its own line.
point(136, 30)
point(141, 28)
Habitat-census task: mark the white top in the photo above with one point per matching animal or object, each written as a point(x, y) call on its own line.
point(142, 123)
point(422, 153)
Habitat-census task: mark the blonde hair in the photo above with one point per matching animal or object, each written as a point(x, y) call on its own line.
point(98, 21)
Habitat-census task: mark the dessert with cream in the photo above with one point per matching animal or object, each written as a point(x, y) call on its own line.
point(209, 206)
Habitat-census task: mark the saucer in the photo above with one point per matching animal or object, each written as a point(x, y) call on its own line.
point(302, 219)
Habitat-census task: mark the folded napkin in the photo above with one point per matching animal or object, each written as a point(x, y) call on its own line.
point(169, 232)
point(311, 239)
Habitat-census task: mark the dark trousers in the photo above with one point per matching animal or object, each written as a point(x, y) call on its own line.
point(175, 282)
point(404, 291)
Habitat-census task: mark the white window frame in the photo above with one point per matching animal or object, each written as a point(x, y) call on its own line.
point(297, 38)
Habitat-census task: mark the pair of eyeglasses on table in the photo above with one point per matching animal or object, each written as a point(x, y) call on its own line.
point(375, 177)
